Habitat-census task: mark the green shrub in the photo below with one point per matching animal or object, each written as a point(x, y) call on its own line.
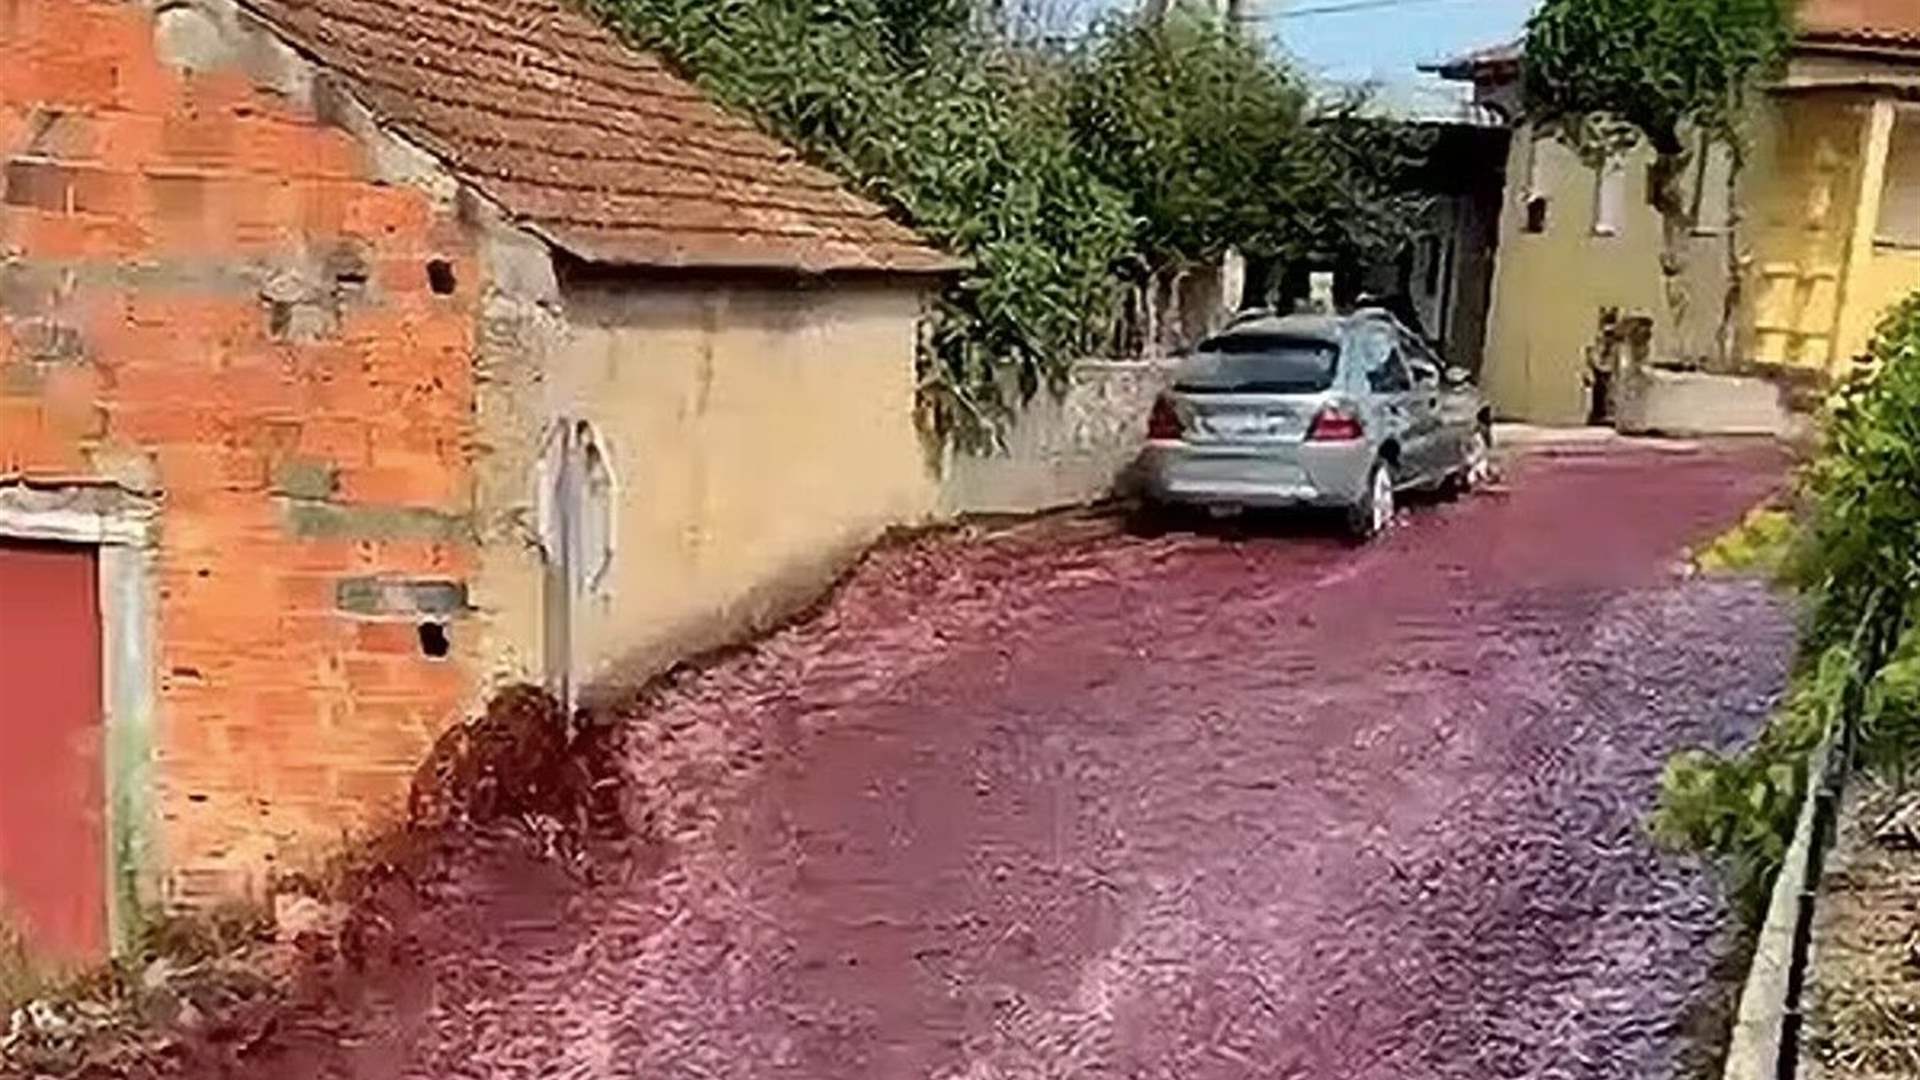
point(1853, 561)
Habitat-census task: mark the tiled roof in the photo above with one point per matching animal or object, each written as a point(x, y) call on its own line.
point(595, 146)
point(1864, 22)
point(1490, 61)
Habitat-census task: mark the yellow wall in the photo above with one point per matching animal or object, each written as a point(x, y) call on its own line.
point(1550, 288)
point(1804, 188)
point(1818, 280)
point(1883, 266)
point(761, 436)
point(1826, 275)
point(1890, 276)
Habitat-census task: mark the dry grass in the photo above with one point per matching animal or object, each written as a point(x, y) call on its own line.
point(1866, 977)
point(1758, 545)
point(21, 979)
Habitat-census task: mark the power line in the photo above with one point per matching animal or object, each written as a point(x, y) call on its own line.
point(1341, 8)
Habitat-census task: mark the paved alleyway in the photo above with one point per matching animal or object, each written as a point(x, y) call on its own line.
point(1193, 807)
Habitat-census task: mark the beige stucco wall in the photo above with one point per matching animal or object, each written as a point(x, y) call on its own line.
point(761, 435)
point(1550, 287)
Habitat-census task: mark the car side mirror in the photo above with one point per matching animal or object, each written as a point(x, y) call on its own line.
point(1458, 376)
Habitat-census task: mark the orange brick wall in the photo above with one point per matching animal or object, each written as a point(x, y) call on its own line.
point(207, 297)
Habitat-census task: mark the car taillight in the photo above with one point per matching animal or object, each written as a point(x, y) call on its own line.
point(1335, 425)
point(1164, 423)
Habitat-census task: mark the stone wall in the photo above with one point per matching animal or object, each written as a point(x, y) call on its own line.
point(222, 289)
point(1062, 450)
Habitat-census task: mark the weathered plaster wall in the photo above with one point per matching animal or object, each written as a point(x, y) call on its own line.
point(521, 334)
point(1062, 451)
point(1551, 287)
point(760, 435)
point(214, 292)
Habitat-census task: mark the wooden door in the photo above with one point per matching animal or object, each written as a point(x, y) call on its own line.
point(52, 781)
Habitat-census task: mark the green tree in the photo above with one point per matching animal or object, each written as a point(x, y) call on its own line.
point(925, 110)
point(1607, 75)
point(1217, 145)
point(1047, 168)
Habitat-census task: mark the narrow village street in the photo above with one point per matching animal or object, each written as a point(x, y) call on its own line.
point(661, 539)
point(1070, 803)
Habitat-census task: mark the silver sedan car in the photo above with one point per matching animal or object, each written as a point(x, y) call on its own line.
point(1337, 411)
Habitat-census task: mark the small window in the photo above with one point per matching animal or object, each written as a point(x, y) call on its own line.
point(1610, 197)
point(1900, 202)
point(1389, 374)
point(1420, 355)
point(1535, 201)
point(440, 277)
point(1537, 215)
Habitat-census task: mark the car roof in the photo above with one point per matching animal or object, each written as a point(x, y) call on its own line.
point(1331, 329)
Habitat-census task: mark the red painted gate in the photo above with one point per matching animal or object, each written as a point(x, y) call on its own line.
point(52, 783)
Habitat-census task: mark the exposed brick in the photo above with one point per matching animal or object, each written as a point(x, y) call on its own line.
point(142, 213)
point(59, 134)
point(373, 785)
point(391, 639)
point(20, 379)
point(205, 139)
point(184, 196)
point(38, 184)
point(43, 185)
point(416, 479)
point(309, 593)
point(371, 674)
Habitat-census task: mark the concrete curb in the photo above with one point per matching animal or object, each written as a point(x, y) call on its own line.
point(1760, 1028)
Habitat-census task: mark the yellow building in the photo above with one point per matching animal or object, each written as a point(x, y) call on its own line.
point(1828, 227)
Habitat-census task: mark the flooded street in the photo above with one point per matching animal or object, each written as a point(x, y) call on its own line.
point(1071, 803)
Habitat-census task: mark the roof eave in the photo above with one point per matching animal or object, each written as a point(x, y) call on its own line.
point(906, 262)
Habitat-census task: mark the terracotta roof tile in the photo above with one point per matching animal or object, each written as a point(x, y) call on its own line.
point(1868, 22)
point(1490, 61)
point(596, 146)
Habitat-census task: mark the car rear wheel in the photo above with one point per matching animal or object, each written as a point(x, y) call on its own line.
point(1152, 520)
point(1476, 469)
point(1371, 516)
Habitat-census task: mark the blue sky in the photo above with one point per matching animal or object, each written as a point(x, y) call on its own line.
point(1387, 42)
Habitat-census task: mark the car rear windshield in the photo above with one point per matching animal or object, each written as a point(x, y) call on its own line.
point(1248, 364)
